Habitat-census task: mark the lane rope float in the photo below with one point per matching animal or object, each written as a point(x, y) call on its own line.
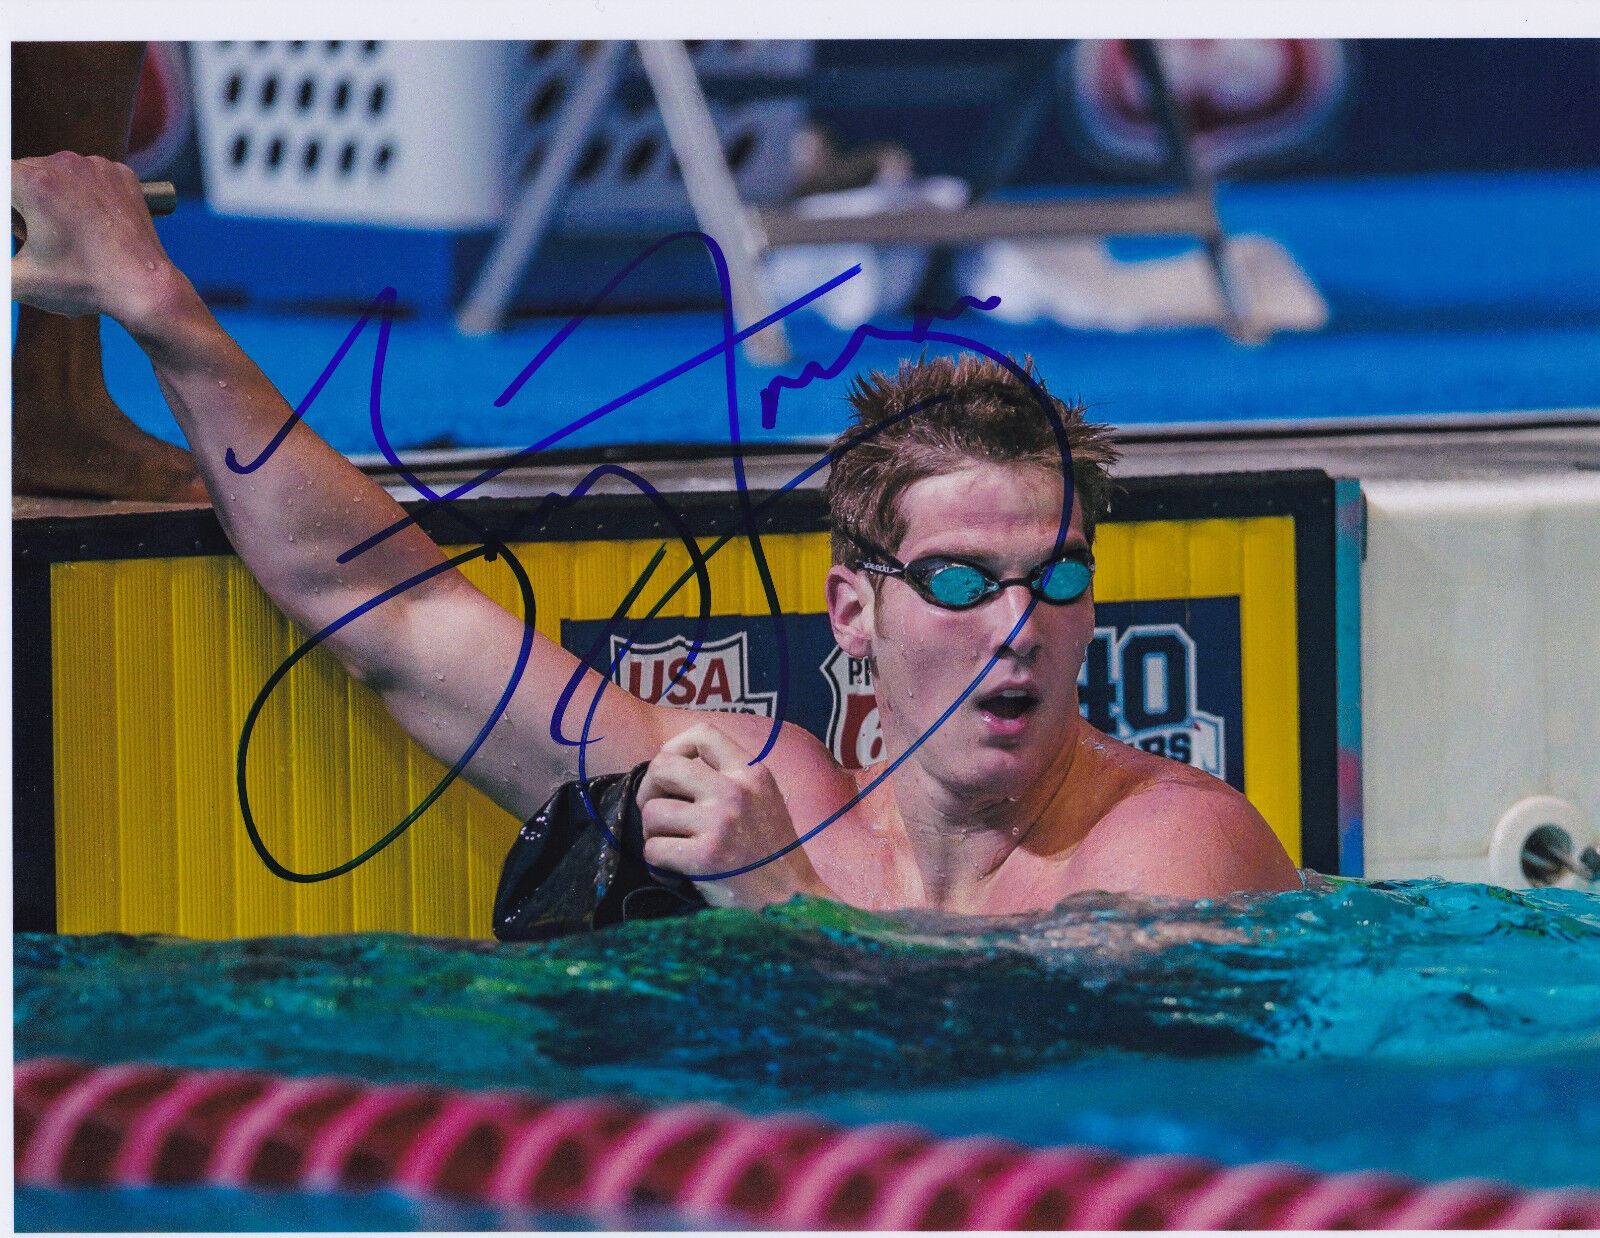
point(79, 1125)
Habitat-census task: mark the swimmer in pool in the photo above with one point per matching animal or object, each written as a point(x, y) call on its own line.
point(944, 531)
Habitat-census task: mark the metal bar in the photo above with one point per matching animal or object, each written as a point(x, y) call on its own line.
point(712, 192)
point(160, 198)
point(1174, 127)
point(484, 308)
point(1145, 215)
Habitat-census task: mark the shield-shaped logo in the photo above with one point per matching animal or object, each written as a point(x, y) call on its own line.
point(855, 734)
point(717, 679)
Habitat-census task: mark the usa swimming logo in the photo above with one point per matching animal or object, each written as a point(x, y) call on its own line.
point(718, 679)
point(1139, 686)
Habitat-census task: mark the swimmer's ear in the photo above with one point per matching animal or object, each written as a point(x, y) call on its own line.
point(850, 602)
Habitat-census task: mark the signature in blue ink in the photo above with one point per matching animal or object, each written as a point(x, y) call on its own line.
point(493, 544)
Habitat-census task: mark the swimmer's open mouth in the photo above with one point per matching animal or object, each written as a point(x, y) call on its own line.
point(1009, 703)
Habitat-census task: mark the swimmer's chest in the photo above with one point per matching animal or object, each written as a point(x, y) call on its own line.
point(865, 857)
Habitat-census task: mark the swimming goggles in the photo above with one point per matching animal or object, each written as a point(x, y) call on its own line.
point(956, 584)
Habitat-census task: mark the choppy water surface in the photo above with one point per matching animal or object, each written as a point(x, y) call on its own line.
point(1427, 1027)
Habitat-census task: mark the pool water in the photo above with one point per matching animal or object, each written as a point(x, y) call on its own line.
point(208, 1209)
point(1427, 1028)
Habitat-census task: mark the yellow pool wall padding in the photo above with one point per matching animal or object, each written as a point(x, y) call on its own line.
point(155, 664)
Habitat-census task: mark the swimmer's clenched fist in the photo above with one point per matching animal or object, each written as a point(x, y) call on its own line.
point(1002, 801)
point(706, 809)
point(117, 268)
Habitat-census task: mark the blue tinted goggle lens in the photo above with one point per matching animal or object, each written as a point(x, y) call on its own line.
point(958, 584)
point(1063, 580)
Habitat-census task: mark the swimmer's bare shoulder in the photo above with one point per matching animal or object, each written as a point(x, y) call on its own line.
point(1170, 829)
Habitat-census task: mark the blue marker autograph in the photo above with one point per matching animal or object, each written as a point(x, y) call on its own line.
point(493, 545)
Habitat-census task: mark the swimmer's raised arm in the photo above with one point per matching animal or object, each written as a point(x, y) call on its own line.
point(440, 654)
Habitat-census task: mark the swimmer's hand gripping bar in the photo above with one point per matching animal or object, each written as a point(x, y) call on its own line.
point(159, 196)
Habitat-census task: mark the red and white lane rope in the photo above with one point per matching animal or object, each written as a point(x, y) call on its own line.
point(79, 1124)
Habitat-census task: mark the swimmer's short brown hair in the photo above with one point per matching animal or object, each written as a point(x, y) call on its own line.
point(970, 408)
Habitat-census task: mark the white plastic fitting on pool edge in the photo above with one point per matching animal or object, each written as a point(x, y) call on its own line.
point(1520, 823)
